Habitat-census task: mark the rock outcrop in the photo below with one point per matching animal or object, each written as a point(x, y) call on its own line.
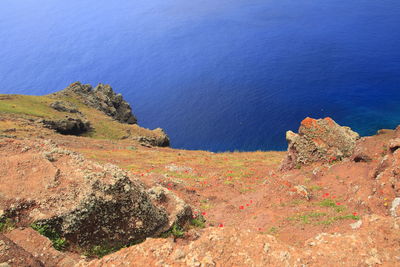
point(318, 140)
point(103, 98)
point(64, 106)
point(159, 139)
point(86, 203)
point(70, 126)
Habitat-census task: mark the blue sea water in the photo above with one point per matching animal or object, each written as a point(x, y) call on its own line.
point(216, 75)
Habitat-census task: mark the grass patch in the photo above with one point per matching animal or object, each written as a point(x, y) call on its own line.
point(198, 222)
point(307, 218)
point(59, 243)
point(331, 220)
point(6, 225)
point(100, 251)
point(176, 231)
point(332, 204)
point(273, 230)
point(315, 188)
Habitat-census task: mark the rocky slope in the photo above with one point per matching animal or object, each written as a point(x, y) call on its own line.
point(104, 197)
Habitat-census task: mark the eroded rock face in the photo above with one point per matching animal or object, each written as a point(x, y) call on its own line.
point(103, 98)
point(318, 140)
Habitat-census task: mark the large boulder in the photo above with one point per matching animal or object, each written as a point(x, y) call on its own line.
point(69, 125)
point(103, 98)
point(321, 140)
point(88, 204)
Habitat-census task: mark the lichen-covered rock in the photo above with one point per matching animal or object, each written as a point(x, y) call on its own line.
point(103, 98)
point(179, 212)
point(318, 140)
point(114, 214)
point(87, 203)
point(71, 126)
point(160, 138)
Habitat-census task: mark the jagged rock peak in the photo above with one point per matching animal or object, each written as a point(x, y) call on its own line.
point(103, 98)
point(318, 140)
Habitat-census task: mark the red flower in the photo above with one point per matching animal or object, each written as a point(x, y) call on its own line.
point(247, 205)
point(338, 203)
point(241, 207)
point(203, 213)
point(354, 213)
point(220, 225)
point(251, 201)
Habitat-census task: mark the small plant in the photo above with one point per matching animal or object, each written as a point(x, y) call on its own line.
point(177, 231)
point(315, 188)
point(338, 218)
point(59, 243)
point(6, 225)
point(307, 217)
point(273, 230)
point(100, 251)
point(198, 222)
point(327, 203)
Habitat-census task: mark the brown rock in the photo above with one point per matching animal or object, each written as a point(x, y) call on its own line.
point(13, 255)
point(82, 201)
point(320, 140)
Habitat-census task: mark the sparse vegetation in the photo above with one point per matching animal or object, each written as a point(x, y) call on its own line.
point(273, 230)
point(58, 242)
point(198, 222)
point(6, 225)
point(315, 188)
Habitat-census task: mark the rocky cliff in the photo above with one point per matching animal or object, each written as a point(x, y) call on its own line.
point(106, 197)
point(103, 98)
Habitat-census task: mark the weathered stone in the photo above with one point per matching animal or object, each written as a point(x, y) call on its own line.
point(64, 106)
point(318, 140)
point(72, 126)
point(11, 252)
point(394, 144)
point(178, 211)
point(114, 214)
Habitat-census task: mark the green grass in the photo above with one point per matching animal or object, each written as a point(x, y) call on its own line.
point(273, 230)
point(6, 225)
point(176, 231)
point(59, 243)
point(36, 106)
point(307, 218)
point(332, 204)
point(315, 188)
point(100, 251)
point(327, 203)
point(338, 218)
point(198, 222)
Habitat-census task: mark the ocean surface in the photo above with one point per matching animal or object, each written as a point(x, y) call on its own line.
point(216, 75)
